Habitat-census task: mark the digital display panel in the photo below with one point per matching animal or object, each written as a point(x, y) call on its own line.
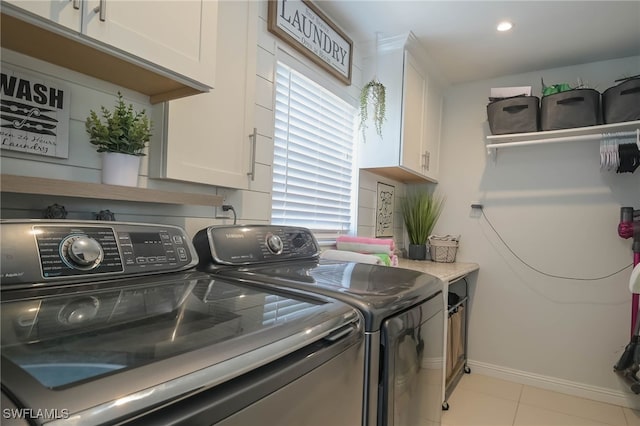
point(147, 244)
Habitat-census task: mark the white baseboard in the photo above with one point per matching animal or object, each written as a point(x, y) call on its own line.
point(610, 396)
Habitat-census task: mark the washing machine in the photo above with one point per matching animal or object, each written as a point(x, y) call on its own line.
point(109, 323)
point(403, 311)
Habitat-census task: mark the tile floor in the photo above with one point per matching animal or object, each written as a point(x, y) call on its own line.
point(486, 401)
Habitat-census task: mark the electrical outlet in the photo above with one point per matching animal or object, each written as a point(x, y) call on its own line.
point(476, 205)
point(222, 214)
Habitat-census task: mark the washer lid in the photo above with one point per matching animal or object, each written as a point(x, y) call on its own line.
point(377, 291)
point(102, 351)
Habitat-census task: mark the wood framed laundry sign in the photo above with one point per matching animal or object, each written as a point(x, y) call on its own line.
point(35, 114)
point(309, 31)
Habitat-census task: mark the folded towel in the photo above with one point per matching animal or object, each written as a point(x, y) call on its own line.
point(365, 245)
point(366, 240)
point(349, 256)
point(386, 259)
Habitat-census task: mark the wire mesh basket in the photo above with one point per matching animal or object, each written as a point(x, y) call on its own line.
point(443, 251)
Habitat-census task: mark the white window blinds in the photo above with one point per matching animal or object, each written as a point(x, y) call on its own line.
point(312, 167)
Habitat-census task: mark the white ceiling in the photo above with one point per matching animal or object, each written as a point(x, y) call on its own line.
point(461, 36)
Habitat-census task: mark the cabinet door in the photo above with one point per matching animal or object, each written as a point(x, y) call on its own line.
point(65, 13)
point(432, 130)
point(177, 35)
point(413, 116)
point(207, 138)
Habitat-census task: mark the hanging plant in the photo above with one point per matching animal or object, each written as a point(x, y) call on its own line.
point(373, 92)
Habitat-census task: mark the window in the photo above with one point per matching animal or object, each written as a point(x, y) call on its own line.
point(313, 155)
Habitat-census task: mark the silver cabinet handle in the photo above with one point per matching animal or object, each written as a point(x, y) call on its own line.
point(76, 4)
point(102, 10)
point(425, 161)
point(254, 138)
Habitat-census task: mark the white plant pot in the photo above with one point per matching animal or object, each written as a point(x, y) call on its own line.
point(120, 169)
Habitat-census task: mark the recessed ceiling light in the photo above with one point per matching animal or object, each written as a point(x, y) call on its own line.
point(505, 26)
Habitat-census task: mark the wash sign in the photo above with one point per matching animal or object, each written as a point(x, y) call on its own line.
point(35, 114)
point(308, 30)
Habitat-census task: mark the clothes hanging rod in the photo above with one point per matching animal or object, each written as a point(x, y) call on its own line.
point(596, 136)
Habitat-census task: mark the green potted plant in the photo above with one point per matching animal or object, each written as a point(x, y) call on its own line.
point(420, 212)
point(121, 136)
point(373, 92)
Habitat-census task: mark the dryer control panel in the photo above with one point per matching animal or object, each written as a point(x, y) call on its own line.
point(254, 244)
point(33, 251)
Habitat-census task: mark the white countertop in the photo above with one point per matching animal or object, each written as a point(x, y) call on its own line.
point(447, 272)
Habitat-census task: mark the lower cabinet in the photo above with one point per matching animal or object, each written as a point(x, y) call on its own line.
point(208, 138)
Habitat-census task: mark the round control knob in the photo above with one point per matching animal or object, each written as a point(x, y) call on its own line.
point(82, 252)
point(274, 244)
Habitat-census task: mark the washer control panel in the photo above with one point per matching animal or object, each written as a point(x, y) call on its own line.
point(251, 244)
point(67, 250)
point(55, 250)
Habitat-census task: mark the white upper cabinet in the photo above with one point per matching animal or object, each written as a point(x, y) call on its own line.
point(166, 49)
point(409, 146)
point(177, 35)
point(209, 137)
point(66, 13)
point(414, 106)
point(433, 132)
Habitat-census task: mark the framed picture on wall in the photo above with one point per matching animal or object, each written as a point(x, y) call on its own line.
point(384, 210)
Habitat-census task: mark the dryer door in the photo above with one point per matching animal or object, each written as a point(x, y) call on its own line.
point(412, 370)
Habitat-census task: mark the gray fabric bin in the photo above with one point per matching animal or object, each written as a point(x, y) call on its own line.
point(622, 102)
point(570, 109)
point(519, 114)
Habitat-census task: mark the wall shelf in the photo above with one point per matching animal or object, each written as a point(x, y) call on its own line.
point(66, 188)
point(557, 136)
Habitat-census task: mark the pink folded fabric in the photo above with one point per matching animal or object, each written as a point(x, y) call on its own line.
point(366, 240)
point(365, 244)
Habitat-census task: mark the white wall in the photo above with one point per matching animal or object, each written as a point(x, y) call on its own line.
point(559, 213)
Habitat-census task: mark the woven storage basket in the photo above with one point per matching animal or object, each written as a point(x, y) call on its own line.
point(443, 251)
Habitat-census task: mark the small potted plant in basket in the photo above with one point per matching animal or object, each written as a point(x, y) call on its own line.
point(121, 136)
point(420, 212)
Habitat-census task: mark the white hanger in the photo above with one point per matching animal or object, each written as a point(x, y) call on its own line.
point(609, 157)
point(609, 148)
